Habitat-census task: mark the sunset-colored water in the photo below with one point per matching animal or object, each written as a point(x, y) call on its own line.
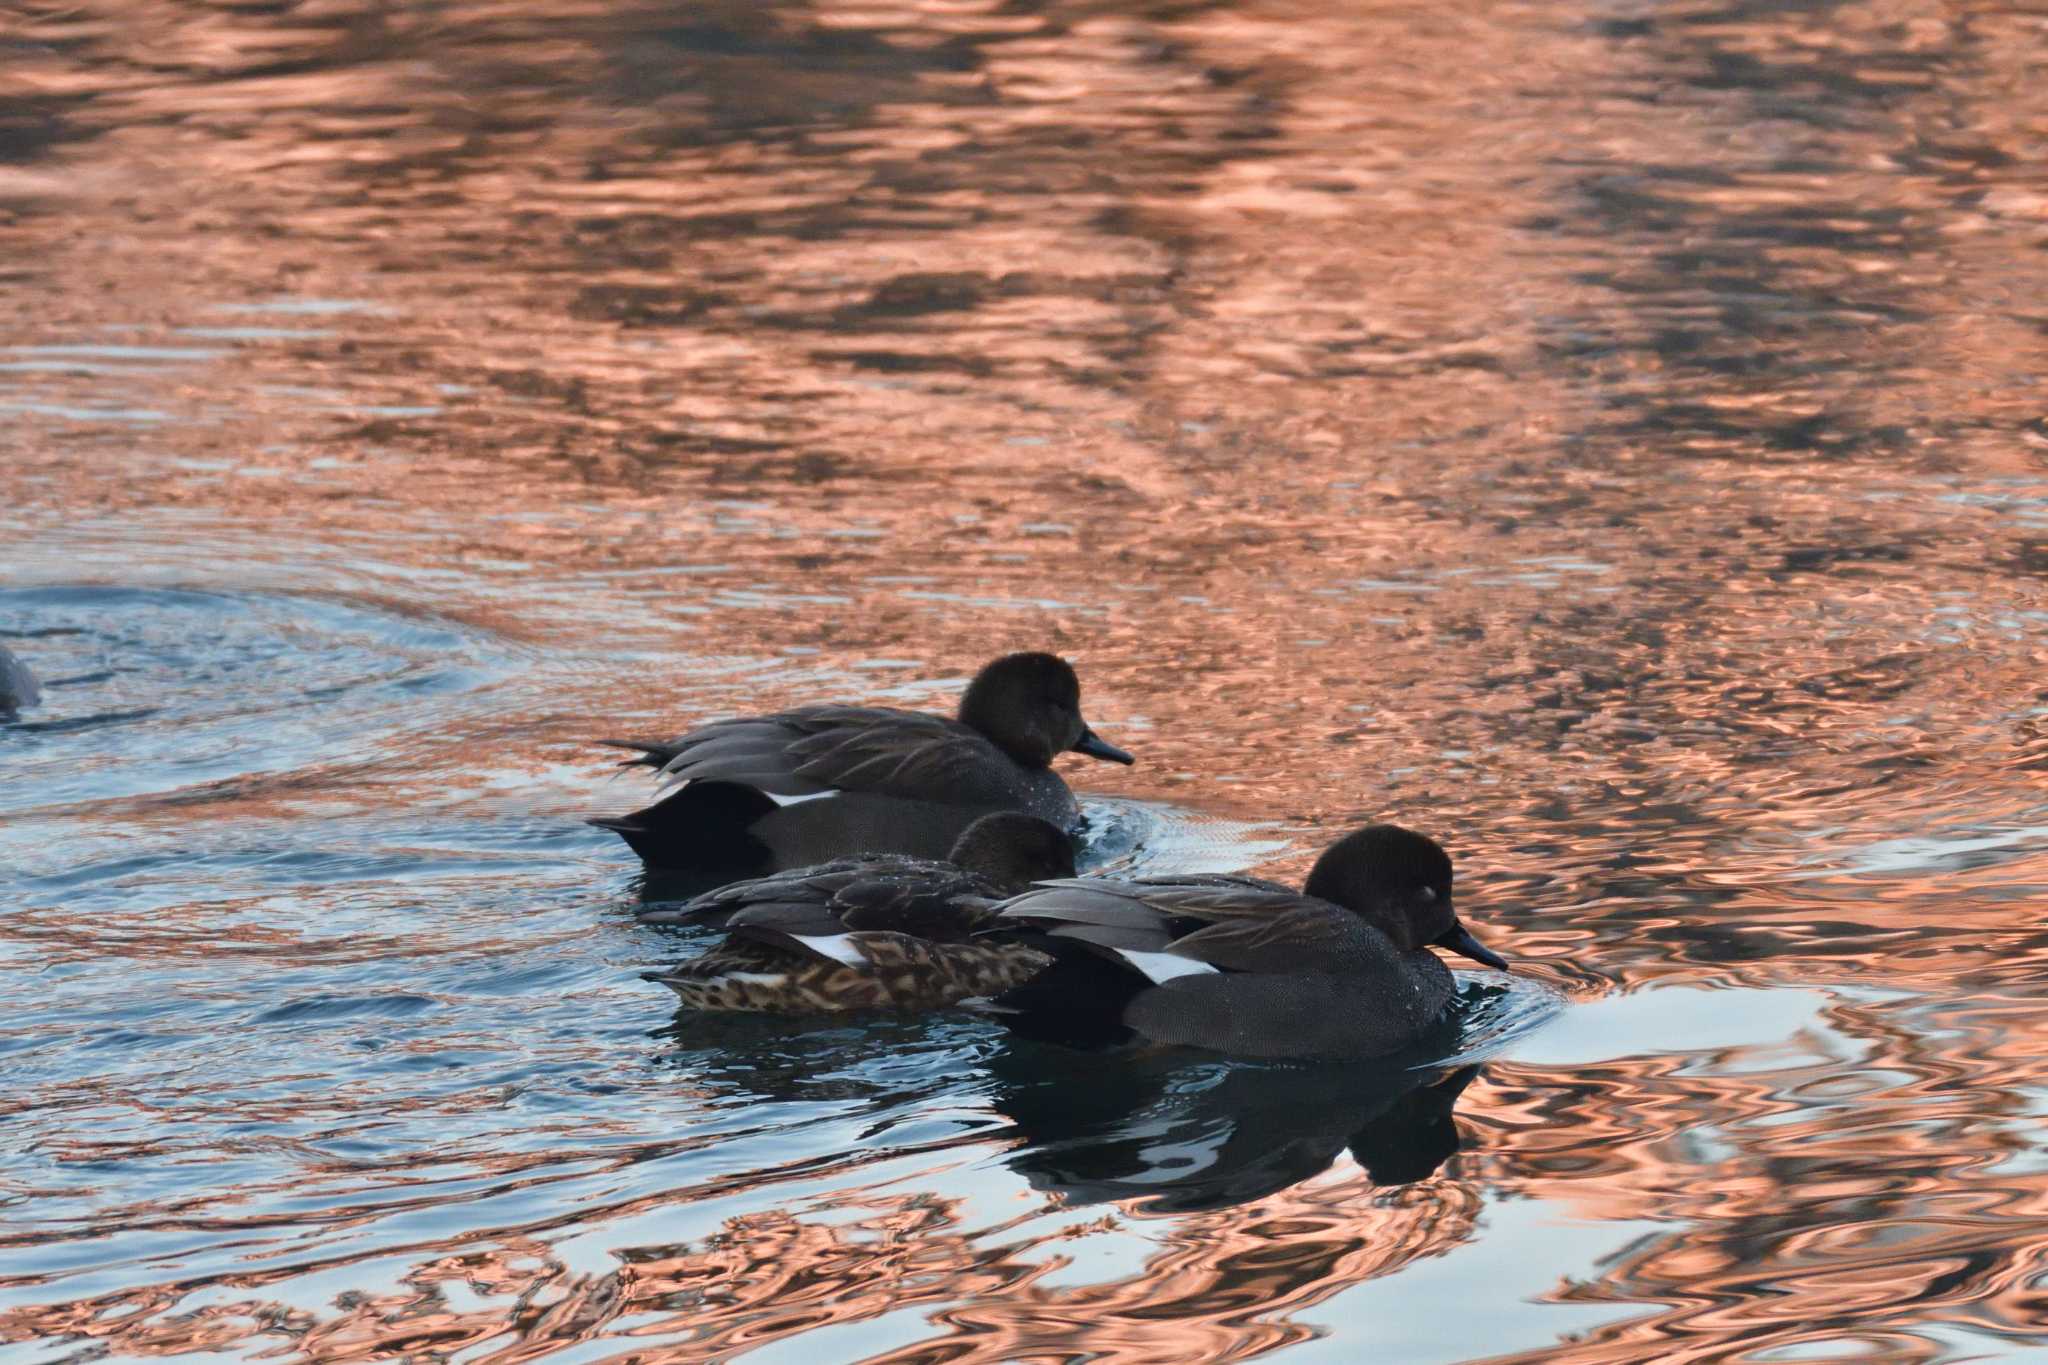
point(1613, 438)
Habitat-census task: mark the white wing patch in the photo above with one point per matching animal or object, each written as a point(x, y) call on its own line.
point(1163, 967)
point(750, 978)
point(781, 800)
point(838, 947)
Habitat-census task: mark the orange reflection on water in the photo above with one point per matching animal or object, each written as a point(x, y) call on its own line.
point(1610, 440)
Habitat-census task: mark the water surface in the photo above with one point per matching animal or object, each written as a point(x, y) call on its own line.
point(1610, 438)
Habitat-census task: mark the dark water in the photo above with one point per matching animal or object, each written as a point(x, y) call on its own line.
point(1612, 438)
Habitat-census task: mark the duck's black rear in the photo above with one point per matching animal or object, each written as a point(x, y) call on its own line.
point(1077, 1002)
point(703, 827)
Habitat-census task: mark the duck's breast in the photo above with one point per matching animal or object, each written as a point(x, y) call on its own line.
point(1045, 794)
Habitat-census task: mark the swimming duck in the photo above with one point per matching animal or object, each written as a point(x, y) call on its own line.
point(1338, 970)
point(763, 793)
point(870, 932)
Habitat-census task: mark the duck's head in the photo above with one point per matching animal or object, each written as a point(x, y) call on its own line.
point(1014, 850)
point(1030, 706)
point(1401, 881)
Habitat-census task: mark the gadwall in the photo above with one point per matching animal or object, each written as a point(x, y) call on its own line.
point(1341, 969)
point(762, 793)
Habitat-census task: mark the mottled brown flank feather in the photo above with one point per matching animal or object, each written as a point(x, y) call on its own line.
point(905, 973)
point(879, 750)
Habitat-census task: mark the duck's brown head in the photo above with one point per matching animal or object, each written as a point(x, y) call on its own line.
point(1030, 706)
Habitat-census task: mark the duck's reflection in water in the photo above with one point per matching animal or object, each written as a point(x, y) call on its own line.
point(1172, 1129)
point(1182, 1132)
point(891, 1063)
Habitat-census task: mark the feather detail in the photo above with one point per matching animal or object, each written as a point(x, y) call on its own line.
point(1160, 968)
point(817, 749)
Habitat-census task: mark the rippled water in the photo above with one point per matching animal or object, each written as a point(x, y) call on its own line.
point(1611, 438)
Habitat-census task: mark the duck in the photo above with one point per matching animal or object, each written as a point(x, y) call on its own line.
point(870, 932)
point(1339, 970)
point(18, 687)
point(762, 794)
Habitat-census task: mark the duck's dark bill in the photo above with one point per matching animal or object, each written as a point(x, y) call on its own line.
point(1460, 940)
point(1095, 746)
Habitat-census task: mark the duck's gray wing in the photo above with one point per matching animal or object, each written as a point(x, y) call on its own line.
point(1149, 916)
point(817, 749)
point(1310, 937)
point(762, 752)
point(768, 752)
point(810, 887)
point(904, 753)
point(916, 899)
point(943, 907)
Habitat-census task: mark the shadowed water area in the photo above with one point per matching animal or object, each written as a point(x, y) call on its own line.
point(1609, 437)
